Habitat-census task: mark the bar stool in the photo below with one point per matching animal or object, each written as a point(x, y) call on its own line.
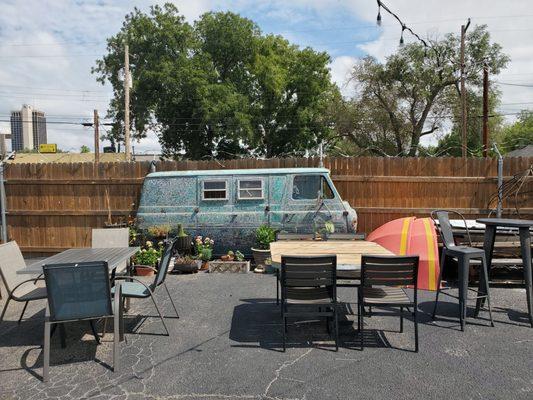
point(464, 255)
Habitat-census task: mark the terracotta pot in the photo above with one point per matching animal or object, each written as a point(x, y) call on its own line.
point(143, 270)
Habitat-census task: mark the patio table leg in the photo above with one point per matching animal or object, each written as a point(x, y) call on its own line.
point(525, 248)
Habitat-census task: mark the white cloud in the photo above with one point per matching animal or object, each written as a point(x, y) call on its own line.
point(47, 48)
point(341, 68)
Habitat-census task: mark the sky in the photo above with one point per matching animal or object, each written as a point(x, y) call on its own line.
point(47, 48)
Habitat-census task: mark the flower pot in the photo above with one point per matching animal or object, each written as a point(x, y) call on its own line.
point(143, 270)
point(183, 244)
point(261, 257)
point(185, 267)
point(202, 265)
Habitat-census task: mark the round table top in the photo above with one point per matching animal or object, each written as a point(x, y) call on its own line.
point(515, 223)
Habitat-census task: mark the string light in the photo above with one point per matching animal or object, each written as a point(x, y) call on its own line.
point(404, 26)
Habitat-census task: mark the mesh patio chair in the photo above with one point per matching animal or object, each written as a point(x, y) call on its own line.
point(464, 255)
point(112, 237)
point(78, 292)
point(134, 288)
point(308, 289)
point(19, 287)
point(380, 278)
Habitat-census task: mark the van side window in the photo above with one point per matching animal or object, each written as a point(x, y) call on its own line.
point(250, 189)
point(307, 187)
point(214, 190)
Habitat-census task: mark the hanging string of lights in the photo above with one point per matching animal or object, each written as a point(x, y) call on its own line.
point(403, 25)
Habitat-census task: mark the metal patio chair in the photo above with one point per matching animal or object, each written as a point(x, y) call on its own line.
point(112, 237)
point(464, 256)
point(133, 288)
point(79, 292)
point(309, 289)
point(19, 287)
point(381, 277)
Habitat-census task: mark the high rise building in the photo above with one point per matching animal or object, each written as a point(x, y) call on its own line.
point(28, 129)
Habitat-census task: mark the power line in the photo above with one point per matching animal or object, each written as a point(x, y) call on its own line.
point(530, 85)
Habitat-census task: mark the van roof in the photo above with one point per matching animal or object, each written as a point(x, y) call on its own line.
point(225, 172)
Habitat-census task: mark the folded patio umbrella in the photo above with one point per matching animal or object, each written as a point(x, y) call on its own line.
point(412, 236)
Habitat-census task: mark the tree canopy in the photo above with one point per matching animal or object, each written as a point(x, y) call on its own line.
point(517, 135)
point(416, 90)
point(217, 88)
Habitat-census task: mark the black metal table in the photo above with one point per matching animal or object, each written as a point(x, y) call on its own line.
point(525, 248)
point(113, 255)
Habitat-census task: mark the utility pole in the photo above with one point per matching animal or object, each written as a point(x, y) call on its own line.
point(96, 138)
point(463, 89)
point(127, 102)
point(485, 109)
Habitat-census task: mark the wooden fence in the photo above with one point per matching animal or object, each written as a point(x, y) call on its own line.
point(52, 207)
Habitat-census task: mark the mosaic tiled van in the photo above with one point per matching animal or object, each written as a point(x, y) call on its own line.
point(229, 205)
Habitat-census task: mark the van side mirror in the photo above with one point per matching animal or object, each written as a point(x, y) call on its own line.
point(197, 210)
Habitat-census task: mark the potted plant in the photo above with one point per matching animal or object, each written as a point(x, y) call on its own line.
point(264, 235)
point(146, 259)
point(159, 231)
point(185, 264)
point(229, 256)
point(183, 241)
point(204, 251)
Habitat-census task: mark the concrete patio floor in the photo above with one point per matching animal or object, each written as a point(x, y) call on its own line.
point(227, 342)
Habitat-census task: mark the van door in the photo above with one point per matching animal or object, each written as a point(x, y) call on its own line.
point(311, 202)
point(215, 210)
point(250, 207)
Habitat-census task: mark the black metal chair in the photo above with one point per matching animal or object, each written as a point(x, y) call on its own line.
point(464, 255)
point(294, 236)
point(381, 277)
point(137, 289)
point(79, 292)
point(309, 289)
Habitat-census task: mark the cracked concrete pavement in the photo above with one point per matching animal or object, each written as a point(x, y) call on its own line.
point(227, 345)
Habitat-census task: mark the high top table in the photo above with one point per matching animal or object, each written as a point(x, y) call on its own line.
point(523, 226)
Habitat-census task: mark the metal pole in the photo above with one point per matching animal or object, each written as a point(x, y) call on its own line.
point(500, 182)
point(3, 199)
point(485, 109)
point(96, 138)
point(463, 90)
point(127, 102)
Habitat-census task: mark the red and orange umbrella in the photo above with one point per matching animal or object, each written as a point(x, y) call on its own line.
point(412, 236)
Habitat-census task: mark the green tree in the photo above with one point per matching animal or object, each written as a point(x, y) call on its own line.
point(518, 134)
point(219, 88)
point(412, 93)
point(85, 149)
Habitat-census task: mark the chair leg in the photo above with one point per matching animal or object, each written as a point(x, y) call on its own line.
point(461, 272)
point(361, 322)
point(277, 287)
point(116, 338)
point(160, 315)
point(487, 291)
point(401, 319)
point(439, 281)
point(415, 319)
point(171, 301)
point(22, 313)
point(46, 356)
point(95, 334)
point(284, 333)
point(5, 308)
point(335, 317)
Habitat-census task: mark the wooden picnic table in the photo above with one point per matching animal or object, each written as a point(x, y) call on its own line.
point(348, 252)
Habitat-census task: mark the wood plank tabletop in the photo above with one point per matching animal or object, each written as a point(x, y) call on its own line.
point(348, 252)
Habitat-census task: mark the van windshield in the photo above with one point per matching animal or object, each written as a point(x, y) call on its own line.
point(307, 187)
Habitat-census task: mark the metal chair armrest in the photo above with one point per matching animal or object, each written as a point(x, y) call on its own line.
point(32, 280)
